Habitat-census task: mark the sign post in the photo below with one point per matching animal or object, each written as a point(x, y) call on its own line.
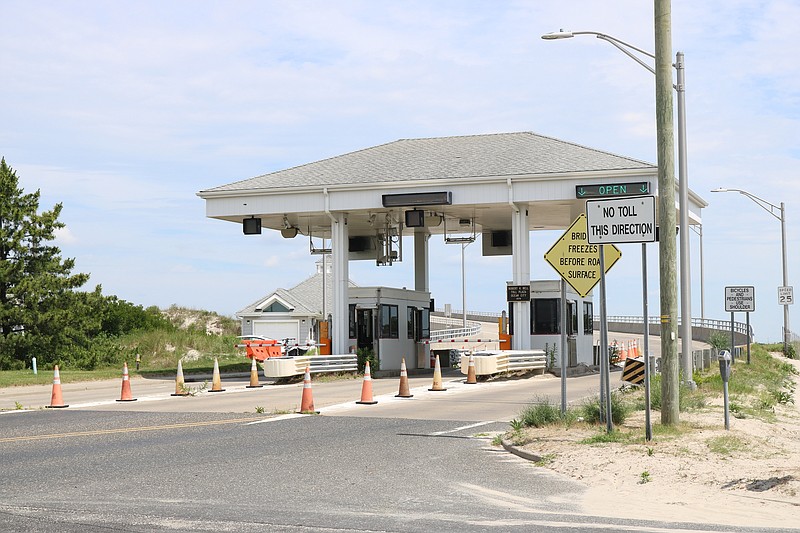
point(741, 299)
point(582, 265)
point(617, 221)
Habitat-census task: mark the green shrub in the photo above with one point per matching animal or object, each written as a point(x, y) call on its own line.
point(540, 414)
point(590, 409)
point(719, 340)
point(790, 352)
point(366, 354)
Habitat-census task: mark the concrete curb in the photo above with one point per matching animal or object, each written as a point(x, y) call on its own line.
point(519, 452)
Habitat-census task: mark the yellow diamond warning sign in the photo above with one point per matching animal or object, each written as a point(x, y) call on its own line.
point(577, 261)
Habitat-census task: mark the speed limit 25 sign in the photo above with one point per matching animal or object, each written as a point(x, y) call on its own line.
point(785, 295)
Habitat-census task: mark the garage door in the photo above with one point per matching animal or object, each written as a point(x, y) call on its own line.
point(279, 330)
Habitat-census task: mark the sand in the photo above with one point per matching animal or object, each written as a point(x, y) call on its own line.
point(747, 476)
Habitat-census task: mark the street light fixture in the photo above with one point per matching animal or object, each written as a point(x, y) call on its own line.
point(683, 185)
point(771, 209)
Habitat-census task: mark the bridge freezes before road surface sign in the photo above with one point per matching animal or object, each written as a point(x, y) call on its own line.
point(577, 261)
point(621, 220)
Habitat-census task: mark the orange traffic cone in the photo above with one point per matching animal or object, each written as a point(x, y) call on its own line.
point(254, 384)
point(404, 391)
point(635, 348)
point(307, 401)
point(56, 401)
point(127, 395)
point(180, 390)
point(437, 377)
point(471, 378)
point(366, 388)
point(623, 352)
point(216, 383)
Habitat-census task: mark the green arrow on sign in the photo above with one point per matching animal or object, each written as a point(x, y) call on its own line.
point(581, 191)
point(644, 187)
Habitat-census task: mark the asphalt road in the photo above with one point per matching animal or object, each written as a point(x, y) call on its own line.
point(498, 400)
point(417, 465)
point(91, 471)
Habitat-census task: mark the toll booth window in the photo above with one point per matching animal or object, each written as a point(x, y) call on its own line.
point(389, 322)
point(425, 327)
point(572, 324)
point(410, 321)
point(588, 318)
point(352, 314)
point(545, 319)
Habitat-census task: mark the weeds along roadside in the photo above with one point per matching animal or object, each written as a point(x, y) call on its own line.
point(755, 390)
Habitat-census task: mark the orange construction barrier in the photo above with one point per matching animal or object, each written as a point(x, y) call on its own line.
point(261, 349)
point(437, 377)
point(471, 377)
point(307, 400)
point(216, 382)
point(126, 395)
point(254, 384)
point(366, 388)
point(56, 401)
point(180, 390)
point(404, 390)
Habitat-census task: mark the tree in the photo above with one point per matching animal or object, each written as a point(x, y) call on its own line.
point(40, 314)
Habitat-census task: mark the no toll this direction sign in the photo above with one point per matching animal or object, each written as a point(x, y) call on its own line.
point(621, 220)
point(740, 299)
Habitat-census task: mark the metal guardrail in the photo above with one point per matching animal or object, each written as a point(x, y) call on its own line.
point(282, 367)
point(721, 325)
point(496, 362)
point(473, 328)
point(490, 316)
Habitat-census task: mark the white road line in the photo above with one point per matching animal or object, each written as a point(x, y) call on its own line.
point(276, 418)
point(461, 428)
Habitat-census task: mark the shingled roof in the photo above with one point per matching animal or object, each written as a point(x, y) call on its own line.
point(492, 155)
point(305, 297)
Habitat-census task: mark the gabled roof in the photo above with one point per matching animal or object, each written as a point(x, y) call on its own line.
point(500, 154)
point(305, 297)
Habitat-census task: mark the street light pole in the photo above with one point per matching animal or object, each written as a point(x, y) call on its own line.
point(683, 187)
point(771, 209)
point(699, 230)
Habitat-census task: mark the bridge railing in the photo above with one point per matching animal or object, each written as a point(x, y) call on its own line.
point(697, 323)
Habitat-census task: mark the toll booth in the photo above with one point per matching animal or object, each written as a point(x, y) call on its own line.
point(546, 321)
point(393, 323)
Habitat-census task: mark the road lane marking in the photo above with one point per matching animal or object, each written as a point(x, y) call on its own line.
point(478, 424)
point(288, 416)
point(97, 432)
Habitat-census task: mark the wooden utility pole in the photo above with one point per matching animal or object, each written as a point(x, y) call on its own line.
point(670, 368)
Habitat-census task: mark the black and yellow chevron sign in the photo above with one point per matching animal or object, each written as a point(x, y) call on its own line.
point(633, 371)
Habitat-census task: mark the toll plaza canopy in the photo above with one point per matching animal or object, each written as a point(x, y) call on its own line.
point(500, 186)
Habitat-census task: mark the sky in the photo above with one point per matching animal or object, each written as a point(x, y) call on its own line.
point(122, 111)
